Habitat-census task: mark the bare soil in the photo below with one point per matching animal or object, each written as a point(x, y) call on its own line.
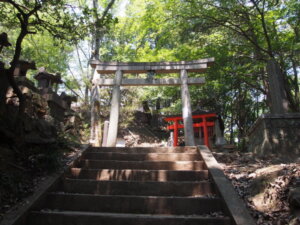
point(21, 174)
point(264, 185)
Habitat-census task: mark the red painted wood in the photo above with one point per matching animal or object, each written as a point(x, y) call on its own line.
point(205, 124)
point(212, 115)
point(181, 126)
point(206, 140)
point(175, 143)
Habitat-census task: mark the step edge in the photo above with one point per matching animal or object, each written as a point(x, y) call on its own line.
point(144, 161)
point(127, 215)
point(135, 196)
point(142, 170)
point(144, 182)
point(144, 153)
point(237, 208)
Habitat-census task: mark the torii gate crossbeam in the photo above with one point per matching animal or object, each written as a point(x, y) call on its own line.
point(120, 68)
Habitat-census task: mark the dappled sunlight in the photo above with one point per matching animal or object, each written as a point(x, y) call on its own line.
point(138, 175)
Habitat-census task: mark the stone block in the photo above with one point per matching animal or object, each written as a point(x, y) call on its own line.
point(276, 134)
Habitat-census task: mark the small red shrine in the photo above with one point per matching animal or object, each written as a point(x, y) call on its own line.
point(203, 123)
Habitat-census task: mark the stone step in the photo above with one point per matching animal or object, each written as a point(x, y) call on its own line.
point(147, 188)
point(144, 149)
point(146, 165)
point(142, 156)
point(138, 175)
point(133, 204)
point(90, 218)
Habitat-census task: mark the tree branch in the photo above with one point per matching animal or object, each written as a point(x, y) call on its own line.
point(108, 7)
point(17, 6)
point(264, 26)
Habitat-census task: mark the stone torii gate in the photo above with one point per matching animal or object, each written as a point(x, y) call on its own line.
point(120, 68)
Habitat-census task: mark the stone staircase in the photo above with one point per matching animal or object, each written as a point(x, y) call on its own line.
point(134, 186)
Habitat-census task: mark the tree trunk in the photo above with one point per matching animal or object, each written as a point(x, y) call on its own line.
point(3, 90)
point(279, 101)
point(296, 85)
point(86, 95)
point(231, 140)
point(96, 41)
point(158, 104)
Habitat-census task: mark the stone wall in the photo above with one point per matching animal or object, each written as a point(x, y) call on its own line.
point(276, 134)
point(45, 113)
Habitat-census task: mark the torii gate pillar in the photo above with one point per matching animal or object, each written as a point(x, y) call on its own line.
point(114, 111)
point(186, 110)
point(160, 67)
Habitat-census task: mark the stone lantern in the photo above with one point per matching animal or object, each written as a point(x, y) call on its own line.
point(68, 99)
point(22, 68)
point(48, 81)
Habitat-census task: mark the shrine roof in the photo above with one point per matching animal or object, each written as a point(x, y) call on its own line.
point(26, 65)
point(48, 76)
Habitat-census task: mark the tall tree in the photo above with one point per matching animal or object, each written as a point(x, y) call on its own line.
point(30, 17)
point(265, 27)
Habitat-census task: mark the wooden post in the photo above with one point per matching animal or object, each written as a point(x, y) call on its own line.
point(114, 111)
point(205, 131)
point(186, 110)
point(105, 133)
point(175, 143)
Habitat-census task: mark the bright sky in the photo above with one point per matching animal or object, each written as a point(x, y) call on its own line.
point(122, 8)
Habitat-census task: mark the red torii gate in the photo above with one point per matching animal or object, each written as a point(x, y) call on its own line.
point(203, 124)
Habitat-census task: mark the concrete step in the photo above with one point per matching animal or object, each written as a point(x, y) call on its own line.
point(146, 165)
point(200, 188)
point(133, 204)
point(133, 186)
point(144, 149)
point(142, 156)
point(90, 218)
point(138, 175)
